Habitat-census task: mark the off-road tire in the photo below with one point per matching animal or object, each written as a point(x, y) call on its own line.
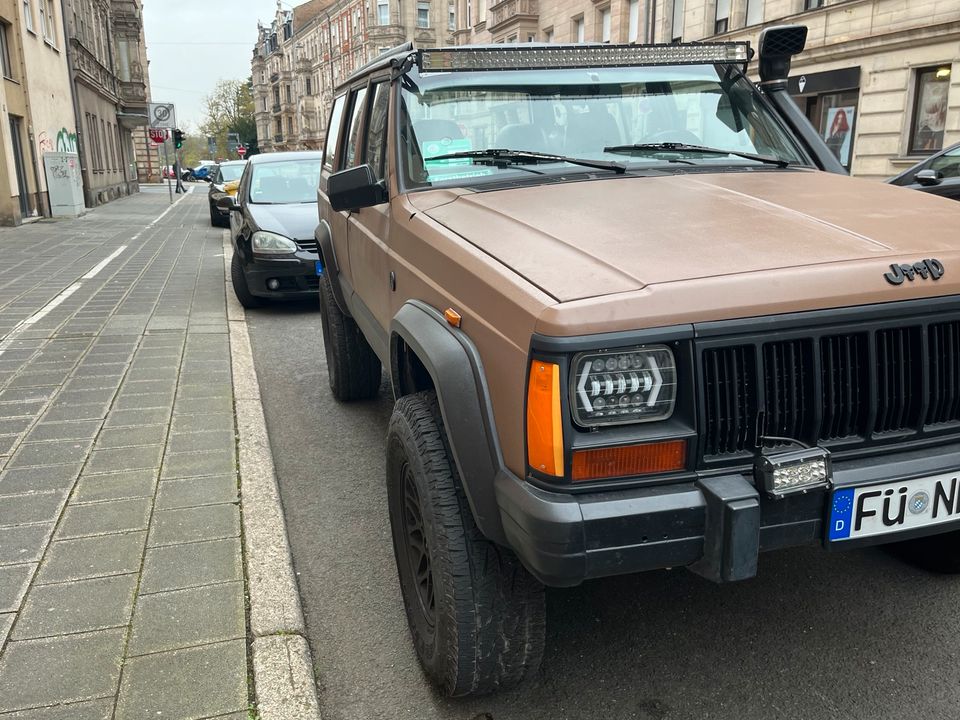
point(352, 366)
point(240, 287)
point(487, 627)
point(934, 553)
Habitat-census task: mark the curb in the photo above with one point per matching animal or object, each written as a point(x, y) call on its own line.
point(283, 679)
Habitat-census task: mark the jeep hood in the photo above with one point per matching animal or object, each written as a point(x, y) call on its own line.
point(579, 240)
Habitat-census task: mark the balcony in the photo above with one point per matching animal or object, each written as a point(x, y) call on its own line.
point(133, 92)
point(512, 11)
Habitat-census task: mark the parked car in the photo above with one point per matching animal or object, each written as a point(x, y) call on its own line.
point(275, 213)
point(938, 175)
point(635, 315)
point(201, 173)
point(224, 180)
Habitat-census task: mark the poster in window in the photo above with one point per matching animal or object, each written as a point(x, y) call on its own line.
point(931, 113)
point(838, 132)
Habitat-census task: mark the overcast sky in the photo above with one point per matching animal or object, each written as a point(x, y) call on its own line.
point(193, 43)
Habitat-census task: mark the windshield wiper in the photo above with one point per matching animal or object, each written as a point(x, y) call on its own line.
point(683, 147)
point(493, 156)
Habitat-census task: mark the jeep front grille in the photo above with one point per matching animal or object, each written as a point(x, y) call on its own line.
point(845, 390)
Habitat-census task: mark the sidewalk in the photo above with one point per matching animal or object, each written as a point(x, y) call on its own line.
point(121, 573)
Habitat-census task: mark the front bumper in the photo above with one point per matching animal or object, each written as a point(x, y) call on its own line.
point(716, 526)
point(296, 275)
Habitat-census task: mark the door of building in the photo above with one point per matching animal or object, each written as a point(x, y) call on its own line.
point(20, 165)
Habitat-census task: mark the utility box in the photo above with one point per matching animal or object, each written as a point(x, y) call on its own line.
point(64, 184)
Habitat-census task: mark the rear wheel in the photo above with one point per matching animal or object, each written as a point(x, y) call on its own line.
point(936, 553)
point(240, 287)
point(352, 366)
point(477, 617)
point(215, 218)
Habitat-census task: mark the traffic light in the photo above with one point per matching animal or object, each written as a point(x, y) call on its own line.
point(178, 138)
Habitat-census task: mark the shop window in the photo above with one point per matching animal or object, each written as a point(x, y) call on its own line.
point(929, 110)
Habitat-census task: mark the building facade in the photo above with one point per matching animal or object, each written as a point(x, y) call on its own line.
point(307, 52)
point(880, 79)
point(110, 85)
point(36, 115)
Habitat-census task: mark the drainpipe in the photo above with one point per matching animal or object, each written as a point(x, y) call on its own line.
point(73, 88)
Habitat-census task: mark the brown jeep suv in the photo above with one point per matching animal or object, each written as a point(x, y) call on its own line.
point(634, 316)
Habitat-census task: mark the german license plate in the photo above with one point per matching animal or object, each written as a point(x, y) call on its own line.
point(894, 507)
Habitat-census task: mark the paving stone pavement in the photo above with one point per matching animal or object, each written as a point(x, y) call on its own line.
point(121, 577)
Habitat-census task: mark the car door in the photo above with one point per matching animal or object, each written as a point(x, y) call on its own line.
point(240, 222)
point(368, 227)
point(332, 155)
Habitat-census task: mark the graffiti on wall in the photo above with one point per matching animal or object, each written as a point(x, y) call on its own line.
point(44, 143)
point(66, 141)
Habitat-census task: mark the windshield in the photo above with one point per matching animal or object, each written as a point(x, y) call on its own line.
point(579, 113)
point(288, 181)
point(229, 173)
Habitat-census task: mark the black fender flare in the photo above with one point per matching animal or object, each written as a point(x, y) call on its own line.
point(328, 256)
point(454, 365)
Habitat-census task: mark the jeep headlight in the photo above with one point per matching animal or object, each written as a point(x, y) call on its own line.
point(270, 243)
point(619, 387)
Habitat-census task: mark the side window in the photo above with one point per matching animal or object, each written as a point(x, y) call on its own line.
point(948, 164)
point(355, 137)
point(377, 131)
point(333, 132)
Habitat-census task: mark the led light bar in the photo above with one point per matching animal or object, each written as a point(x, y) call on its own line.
point(793, 471)
point(533, 57)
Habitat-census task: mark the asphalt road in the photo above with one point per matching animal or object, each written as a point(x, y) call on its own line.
point(816, 635)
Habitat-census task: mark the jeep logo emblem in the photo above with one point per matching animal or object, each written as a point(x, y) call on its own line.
point(929, 268)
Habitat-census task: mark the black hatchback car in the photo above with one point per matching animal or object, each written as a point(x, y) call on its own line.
point(220, 176)
point(273, 218)
point(939, 174)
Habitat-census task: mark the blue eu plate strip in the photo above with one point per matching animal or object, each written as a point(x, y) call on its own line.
point(841, 514)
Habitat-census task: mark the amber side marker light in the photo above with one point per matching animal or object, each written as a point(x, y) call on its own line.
point(614, 462)
point(544, 429)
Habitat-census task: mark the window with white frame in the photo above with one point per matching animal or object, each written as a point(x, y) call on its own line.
point(548, 35)
point(754, 12)
point(383, 12)
point(722, 18)
point(28, 15)
point(48, 21)
point(579, 29)
point(676, 28)
point(633, 26)
point(451, 17)
point(604, 25)
point(5, 51)
point(469, 13)
point(423, 14)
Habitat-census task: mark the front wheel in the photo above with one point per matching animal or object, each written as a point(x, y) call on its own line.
point(477, 617)
point(240, 286)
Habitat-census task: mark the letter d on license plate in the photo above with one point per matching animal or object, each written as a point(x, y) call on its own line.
point(894, 507)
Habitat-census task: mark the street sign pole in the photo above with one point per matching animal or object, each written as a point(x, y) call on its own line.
point(166, 164)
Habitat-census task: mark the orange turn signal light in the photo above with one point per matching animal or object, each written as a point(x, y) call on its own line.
point(613, 462)
point(544, 428)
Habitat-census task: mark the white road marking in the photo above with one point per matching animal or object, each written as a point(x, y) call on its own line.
point(46, 309)
point(103, 263)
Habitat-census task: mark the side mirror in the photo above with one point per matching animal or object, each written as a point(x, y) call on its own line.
point(228, 202)
point(355, 188)
point(927, 178)
point(778, 45)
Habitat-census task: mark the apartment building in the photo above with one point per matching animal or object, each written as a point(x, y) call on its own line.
point(880, 79)
point(110, 85)
point(307, 51)
point(36, 115)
